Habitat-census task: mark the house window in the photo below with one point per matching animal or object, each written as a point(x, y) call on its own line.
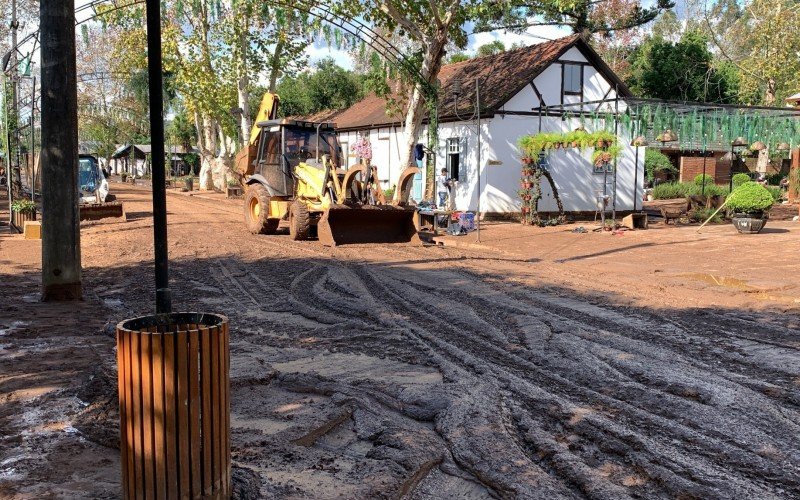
point(453, 157)
point(573, 79)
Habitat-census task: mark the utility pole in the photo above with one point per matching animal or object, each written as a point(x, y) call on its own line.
point(61, 237)
point(14, 73)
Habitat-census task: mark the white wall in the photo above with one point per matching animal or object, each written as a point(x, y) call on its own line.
point(572, 171)
point(573, 55)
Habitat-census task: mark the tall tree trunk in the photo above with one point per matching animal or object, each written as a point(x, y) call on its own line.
point(415, 113)
point(242, 87)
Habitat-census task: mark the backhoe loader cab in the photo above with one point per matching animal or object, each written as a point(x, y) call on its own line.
point(292, 171)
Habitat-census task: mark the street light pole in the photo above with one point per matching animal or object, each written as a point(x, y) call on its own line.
point(478, 111)
point(163, 295)
point(477, 115)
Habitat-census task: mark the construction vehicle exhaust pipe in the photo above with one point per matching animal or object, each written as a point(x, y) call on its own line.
point(346, 224)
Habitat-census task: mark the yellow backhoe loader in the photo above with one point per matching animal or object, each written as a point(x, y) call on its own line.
point(291, 169)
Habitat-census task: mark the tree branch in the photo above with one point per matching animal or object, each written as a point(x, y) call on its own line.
point(388, 8)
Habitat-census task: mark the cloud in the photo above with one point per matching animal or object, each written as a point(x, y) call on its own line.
point(532, 36)
point(318, 51)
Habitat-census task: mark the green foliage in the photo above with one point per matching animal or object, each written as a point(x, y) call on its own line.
point(457, 58)
point(776, 192)
point(531, 145)
point(23, 207)
point(329, 87)
point(775, 179)
point(674, 190)
point(192, 159)
point(702, 214)
point(581, 16)
point(491, 48)
point(701, 179)
point(388, 193)
point(181, 129)
point(750, 197)
point(681, 71)
point(656, 162)
point(739, 179)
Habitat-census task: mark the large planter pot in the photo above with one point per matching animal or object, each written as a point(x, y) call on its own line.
point(19, 219)
point(749, 223)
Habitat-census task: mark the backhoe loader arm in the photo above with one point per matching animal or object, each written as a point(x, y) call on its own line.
point(267, 111)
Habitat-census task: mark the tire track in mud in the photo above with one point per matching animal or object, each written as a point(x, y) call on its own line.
point(668, 425)
point(686, 459)
point(321, 298)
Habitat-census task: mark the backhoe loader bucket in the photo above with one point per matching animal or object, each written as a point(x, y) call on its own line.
point(97, 211)
point(343, 224)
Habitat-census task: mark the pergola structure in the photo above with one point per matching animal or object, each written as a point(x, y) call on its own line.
point(693, 125)
point(685, 125)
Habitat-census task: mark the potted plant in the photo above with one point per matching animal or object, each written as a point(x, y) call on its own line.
point(601, 157)
point(749, 204)
point(22, 211)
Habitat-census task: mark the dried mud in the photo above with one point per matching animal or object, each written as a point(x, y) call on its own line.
point(373, 371)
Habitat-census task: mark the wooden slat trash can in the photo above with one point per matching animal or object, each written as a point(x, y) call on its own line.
point(174, 403)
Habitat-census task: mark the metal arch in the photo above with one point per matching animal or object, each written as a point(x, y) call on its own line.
point(353, 27)
point(113, 5)
point(363, 32)
point(82, 78)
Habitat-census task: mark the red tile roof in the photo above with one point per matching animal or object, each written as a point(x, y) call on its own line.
point(502, 76)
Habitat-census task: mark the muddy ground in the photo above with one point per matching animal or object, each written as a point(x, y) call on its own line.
point(547, 364)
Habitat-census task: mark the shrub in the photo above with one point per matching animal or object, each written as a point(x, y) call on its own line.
point(739, 179)
point(671, 190)
point(668, 190)
point(701, 179)
point(776, 192)
point(23, 207)
point(775, 179)
point(656, 162)
point(701, 214)
point(750, 197)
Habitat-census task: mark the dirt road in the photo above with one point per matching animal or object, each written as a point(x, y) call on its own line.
point(384, 371)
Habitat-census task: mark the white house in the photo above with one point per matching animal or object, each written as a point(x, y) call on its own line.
point(515, 88)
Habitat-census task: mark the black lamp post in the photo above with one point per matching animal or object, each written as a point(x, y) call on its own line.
point(476, 115)
point(154, 73)
point(637, 143)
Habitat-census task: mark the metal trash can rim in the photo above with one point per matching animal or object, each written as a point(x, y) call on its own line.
point(204, 319)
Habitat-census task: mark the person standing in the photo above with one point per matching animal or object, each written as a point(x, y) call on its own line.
point(419, 155)
point(443, 187)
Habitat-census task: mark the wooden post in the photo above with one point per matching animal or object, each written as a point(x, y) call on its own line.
point(61, 239)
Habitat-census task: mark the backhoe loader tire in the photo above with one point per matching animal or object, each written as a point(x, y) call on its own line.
point(299, 221)
point(256, 211)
